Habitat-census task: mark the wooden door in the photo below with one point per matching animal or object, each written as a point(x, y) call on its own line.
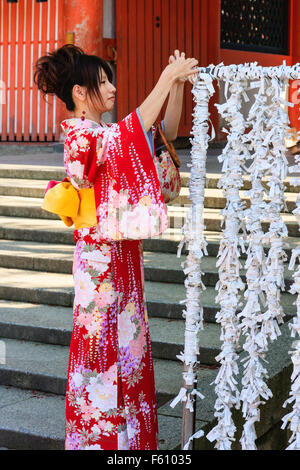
point(29, 29)
point(147, 33)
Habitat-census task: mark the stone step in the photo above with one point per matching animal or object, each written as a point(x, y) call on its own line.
point(159, 266)
point(36, 230)
point(214, 199)
point(43, 366)
point(279, 366)
point(35, 420)
point(31, 208)
point(46, 173)
point(37, 172)
point(212, 180)
point(27, 195)
point(31, 188)
point(213, 220)
point(36, 287)
point(39, 261)
point(32, 172)
point(53, 324)
point(27, 207)
point(36, 256)
point(23, 187)
point(54, 231)
point(31, 420)
point(57, 289)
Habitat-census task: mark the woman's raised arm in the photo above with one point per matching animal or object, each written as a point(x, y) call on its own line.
point(151, 107)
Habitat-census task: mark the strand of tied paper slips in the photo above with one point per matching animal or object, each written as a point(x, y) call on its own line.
point(264, 274)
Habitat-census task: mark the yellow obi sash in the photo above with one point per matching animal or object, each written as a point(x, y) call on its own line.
point(73, 206)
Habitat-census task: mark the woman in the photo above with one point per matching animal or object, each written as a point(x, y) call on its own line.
point(110, 397)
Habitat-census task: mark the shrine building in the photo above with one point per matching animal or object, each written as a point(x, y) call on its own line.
point(136, 37)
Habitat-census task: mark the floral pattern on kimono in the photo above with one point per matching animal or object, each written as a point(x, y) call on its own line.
point(110, 396)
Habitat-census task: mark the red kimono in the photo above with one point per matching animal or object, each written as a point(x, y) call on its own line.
point(110, 398)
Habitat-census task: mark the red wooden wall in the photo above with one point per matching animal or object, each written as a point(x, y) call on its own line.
point(147, 33)
point(28, 30)
point(228, 56)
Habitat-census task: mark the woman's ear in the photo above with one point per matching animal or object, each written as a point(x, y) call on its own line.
point(79, 92)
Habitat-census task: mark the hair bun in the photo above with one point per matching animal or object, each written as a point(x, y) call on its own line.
point(57, 72)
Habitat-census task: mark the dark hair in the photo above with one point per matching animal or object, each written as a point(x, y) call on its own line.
point(57, 72)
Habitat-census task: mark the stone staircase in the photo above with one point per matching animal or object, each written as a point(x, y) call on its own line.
point(36, 297)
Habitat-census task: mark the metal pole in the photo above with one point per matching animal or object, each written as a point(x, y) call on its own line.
point(188, 421)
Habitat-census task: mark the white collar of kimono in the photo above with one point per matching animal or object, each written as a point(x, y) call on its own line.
point(77, 123)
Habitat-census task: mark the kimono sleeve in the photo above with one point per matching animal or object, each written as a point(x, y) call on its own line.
point(168, 174)
point(119, 164)
point(158, 142)
point(83, 153)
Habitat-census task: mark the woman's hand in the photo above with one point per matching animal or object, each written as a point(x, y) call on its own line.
point(172, 59)
point(179, 69)
point(180, 60)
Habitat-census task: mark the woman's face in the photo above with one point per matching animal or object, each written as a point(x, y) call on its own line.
point(108, 92)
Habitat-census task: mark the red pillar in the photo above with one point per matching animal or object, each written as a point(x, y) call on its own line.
point(84, 18)
point(82, 25)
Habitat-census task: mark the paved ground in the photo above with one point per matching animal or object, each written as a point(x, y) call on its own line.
point(31, 155)
point(26, 156)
